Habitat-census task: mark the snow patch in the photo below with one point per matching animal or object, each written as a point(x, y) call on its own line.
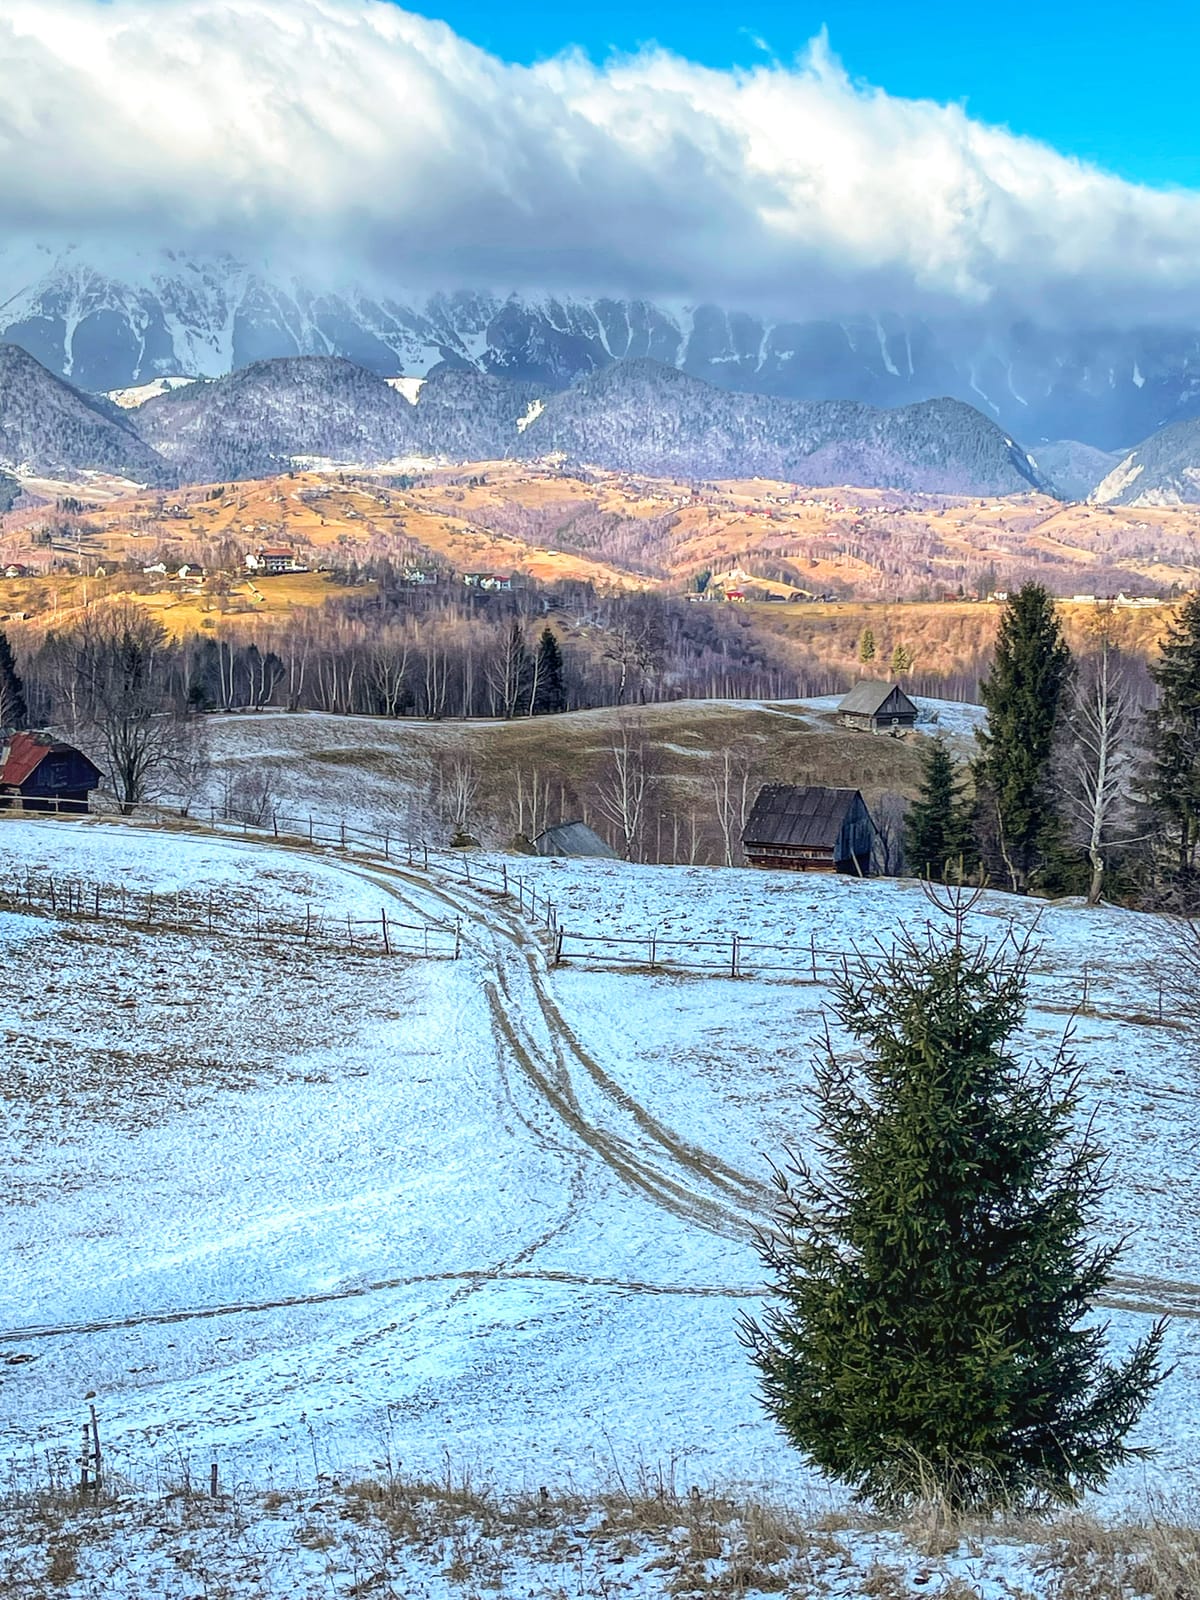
point(534, 411)
point(410, 388)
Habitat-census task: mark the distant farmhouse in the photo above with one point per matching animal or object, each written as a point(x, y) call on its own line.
point(491, 581)
point(572, 839)
point(39, 774)
point(809, 830)
point(272, 560)
point(877, 707)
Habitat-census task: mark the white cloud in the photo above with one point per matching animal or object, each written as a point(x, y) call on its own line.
point(385, 146)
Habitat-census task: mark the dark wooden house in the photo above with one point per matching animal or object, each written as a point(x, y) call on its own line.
point(877, 707)
point(38, 773)
point(809, 830)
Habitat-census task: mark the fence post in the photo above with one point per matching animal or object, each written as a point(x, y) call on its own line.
point(1086, 989)
point(95, 1454)
point(504, 875)
point(457, 937)
point(310, 828)
point(812, 944)
point(85, 1456)
point(383, 919)
point(275, 831)
point(212, 1481)
point(558, 946)
point(733, 957)
point(653, 945)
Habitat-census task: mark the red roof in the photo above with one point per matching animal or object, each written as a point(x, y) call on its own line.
point(24, 755)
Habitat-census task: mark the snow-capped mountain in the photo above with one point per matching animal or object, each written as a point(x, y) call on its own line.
point(109, 323)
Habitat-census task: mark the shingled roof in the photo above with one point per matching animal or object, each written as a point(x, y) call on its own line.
point(866, 697)
point(809, 818)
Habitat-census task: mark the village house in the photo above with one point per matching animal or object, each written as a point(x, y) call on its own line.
point(38, 773)
point(877, 708)
point(491, 581)
point(809, 829)
point(272, 560)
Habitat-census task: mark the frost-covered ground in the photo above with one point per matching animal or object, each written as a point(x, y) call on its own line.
point(300, 1211)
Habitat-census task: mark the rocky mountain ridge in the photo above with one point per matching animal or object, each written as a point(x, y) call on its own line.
point(108, 325)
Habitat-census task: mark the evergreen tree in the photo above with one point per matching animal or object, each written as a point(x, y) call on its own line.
point(937, 828)
point(551, 694)
point(902, 660)
point(14, 713)
point(1173, 776)
point(866, 646)
point(930, 1338)
point(1013, 776)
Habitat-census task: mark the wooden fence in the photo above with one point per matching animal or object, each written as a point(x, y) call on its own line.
point(74, 898)
point(731, 955)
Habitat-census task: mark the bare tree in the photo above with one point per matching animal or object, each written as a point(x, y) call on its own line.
point(508, 673)
point(529, 803)
point(1099, 758)
point(624, 789)
point(121, 659)
point(456, 788)
point(388, 673)
point(731, 793)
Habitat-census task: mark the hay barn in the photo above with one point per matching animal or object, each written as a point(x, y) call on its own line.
point(809, 829)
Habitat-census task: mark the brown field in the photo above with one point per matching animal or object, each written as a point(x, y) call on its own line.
point(879, 559)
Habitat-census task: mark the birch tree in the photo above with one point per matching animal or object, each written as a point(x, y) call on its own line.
point(1100, 757)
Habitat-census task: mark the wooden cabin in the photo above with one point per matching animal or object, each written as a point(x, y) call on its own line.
point(877, 707)
point(809, 829)
point(38, 773)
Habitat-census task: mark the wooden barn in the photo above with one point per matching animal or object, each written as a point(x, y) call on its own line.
point(38, 773)
point(877, 707)
point(809, 830)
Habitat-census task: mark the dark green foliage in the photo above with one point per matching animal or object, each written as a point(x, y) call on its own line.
point(549, 694)
point(933, 1276)
point(1173, 776)
point(1023, 694)
point(866, 646)
point(13, 711)
point(937, 828)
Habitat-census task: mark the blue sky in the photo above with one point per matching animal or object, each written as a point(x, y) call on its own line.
point(1114, 83)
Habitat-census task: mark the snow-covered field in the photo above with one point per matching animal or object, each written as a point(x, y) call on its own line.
point(296, 1211)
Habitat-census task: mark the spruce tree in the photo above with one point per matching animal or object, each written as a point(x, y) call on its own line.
point(1173, 775)
point(14, 713)
point(551, 694)
point(937, 828)
point(902, 660)
point(1023, 693)
point(930, 1339)
point(866, 646)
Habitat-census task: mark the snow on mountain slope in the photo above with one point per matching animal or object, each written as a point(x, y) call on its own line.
point(108, 320)
point(131, 399)
point(480, 1205)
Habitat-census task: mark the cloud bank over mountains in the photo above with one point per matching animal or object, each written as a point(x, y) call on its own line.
point(357, 141)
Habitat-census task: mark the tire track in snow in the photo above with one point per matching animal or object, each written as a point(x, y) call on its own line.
point(741, 1203)
point(467, 1278)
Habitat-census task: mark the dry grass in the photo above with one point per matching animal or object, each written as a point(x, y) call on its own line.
point(693, 1542)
